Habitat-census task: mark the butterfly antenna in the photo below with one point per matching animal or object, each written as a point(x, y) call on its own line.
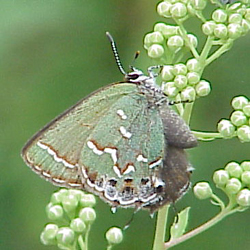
point(115, 52)
point(137, 53)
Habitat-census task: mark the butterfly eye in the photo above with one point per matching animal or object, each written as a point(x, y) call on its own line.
point(133, 76)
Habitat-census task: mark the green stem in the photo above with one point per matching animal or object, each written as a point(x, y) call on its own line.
point(225, 212)
point(187, 112)
point(109, 247)
point(86, 238)
point(206, 49)
point(184, 35)
point(207, 136)
point(225, 47)
point(81, 243)
point(160, 231)
point(215, 199)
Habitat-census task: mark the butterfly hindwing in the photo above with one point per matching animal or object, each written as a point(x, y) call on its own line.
point(123, 152)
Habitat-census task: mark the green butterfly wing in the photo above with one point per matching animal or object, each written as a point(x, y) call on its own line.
point(122, 157)
point(55, 150)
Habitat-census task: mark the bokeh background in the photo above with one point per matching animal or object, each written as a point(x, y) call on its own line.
point(53, 53)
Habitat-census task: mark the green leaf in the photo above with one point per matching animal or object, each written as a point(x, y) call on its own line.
point(179, 226)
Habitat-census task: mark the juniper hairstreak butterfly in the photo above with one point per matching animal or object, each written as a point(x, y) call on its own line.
point(123, 143)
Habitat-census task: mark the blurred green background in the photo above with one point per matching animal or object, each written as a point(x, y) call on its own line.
point(55, 52)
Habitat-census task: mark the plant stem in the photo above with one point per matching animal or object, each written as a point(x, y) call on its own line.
point(81, 243)
point(199, 229)
point(187, 112)
point(160, 231)
point(207, 136)
point(86, 238)
point(225, 47)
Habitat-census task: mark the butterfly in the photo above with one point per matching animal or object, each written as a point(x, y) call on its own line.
point(122, 143)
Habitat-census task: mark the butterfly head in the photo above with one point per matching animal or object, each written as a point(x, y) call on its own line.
point(135, 75)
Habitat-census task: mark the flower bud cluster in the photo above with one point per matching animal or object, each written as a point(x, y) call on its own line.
point(167, 37)
point(184, 79)
point(239, 122)
point(234, 180)
point(180, 9)
point(228, 23)
point(74, 210)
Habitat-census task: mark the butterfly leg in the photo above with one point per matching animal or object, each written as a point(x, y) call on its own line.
point(151, 70)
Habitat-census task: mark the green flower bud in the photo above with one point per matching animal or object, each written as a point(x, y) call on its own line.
point(243, 198)
point(219, 16)
point(175, 42)
point(88, 215)
point(235, 6)
point(63, 191)
point(238, 118)
point(193, 65)
point(220, 31)
point(234, 169)
point(88, 200)
point(114, 235)
point(167, 73)
point(191, 9)
point(183, 1)
point(226, 128)
point(247, 14)
point(192, 40)
point(193, 78)
point(65, 236)
point(167, 30)
point(220, 177)
point(233, 186)
point(245, 165)
point(55, 212)
point(243, 133)
point(198, 4)
point(164, 8)
point(156, 37)
point(202, 190)
point(45, 241)
point(239, 102)
point(77, 193)
point(188, 94)
point(180, 69)
point(56, 198)
point(170, 89)
point(203, 88)
point(178, 10)
point(78, 225)
point(247, 2)
point(69, 203)
point(160, 27)
point(234, 30)
point(235, 18)
point(153, 38)
point(208, 28)
point(48, 236)
point(180, 81)
point(245, 177)
point(147, 41)
point(246, 109)
point(245, 26)
point(155, 51)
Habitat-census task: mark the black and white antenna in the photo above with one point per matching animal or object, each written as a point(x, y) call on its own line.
point(115, 52)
